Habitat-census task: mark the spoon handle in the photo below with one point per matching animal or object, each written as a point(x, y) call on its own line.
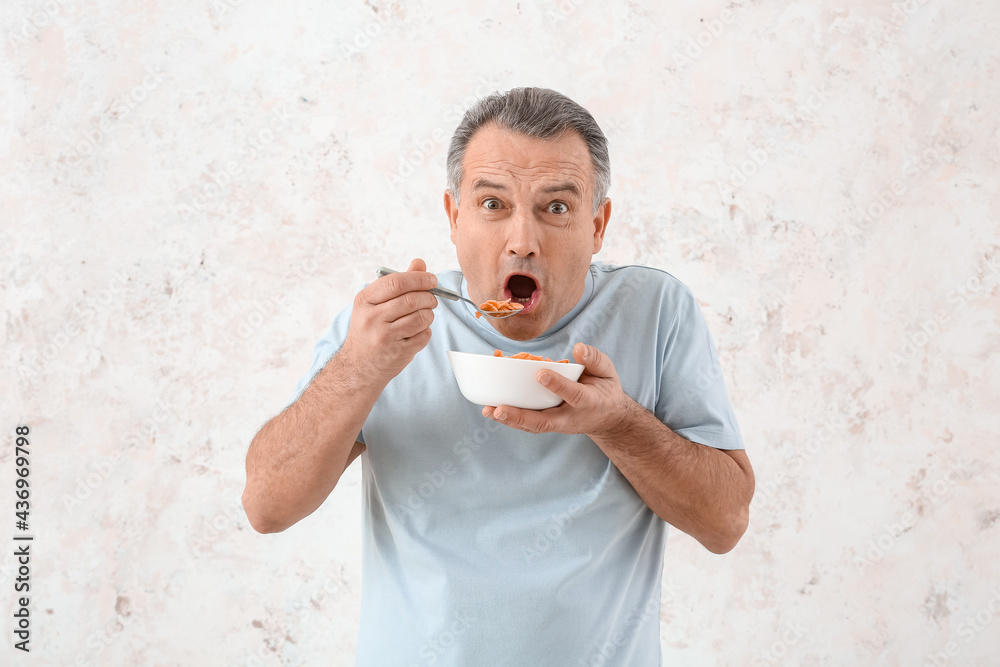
point(437, 291)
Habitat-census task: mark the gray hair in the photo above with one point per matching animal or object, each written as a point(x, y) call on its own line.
point(535, 112)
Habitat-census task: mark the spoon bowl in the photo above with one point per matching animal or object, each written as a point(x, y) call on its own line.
point(454, 296)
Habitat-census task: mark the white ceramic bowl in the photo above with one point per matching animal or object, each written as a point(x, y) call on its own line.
point(488, 380)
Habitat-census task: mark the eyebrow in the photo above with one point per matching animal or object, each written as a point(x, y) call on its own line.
point(485, 184)
point(563, 187)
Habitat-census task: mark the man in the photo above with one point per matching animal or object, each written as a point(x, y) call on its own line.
point(504, 536)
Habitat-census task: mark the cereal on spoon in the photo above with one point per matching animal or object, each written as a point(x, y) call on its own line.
point(504, 306)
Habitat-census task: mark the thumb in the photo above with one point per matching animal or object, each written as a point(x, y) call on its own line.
point(417, 265)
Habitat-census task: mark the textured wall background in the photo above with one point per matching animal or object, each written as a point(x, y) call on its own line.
point(190, 190)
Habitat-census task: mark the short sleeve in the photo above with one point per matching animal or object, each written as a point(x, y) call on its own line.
point(324, 349)
point(692, 398)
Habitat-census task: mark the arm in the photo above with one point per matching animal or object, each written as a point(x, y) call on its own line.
point(298, 457)
point(700, 490)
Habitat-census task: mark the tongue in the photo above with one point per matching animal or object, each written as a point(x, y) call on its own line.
point(521, 287)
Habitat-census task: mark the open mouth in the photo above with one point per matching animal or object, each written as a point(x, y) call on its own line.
point(522, 289)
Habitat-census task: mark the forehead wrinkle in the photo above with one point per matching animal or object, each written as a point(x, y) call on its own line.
point(559, 166)
point(554, 173)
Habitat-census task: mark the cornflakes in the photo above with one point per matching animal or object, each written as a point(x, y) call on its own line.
point(504, 306)
point(525, 355)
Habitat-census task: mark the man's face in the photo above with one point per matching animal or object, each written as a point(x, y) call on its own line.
point(526, 229)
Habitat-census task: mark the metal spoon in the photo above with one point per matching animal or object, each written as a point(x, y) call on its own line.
point(454, 296)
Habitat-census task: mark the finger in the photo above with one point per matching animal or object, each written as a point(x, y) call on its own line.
point(403, 305)
point(594, 361)
point(395, 284)
point(419, 339)
point(532, 421)
point(573, 393)
point(411, 325)
point(417, 265)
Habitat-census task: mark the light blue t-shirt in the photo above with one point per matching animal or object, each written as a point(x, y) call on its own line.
point(485, 545)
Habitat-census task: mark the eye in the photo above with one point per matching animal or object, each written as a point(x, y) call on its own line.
point(558, 207)
point(492, 204)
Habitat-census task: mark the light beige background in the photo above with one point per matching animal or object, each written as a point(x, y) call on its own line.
point(190, 191)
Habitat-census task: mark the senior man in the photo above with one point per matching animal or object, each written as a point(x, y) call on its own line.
point(497, 535)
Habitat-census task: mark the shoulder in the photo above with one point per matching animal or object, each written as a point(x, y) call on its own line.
point(645, 279)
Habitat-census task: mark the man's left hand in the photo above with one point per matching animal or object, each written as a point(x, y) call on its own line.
point(596, 404)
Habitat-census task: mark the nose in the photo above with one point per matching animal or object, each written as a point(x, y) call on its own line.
point(522, 233)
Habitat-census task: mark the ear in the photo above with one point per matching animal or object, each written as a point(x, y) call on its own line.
point(451, 209)
point(601, 223)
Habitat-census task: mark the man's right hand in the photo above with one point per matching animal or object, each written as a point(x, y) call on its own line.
point(391, 322)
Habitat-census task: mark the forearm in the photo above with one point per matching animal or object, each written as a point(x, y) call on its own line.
point(697, 489)
point(297, 458)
